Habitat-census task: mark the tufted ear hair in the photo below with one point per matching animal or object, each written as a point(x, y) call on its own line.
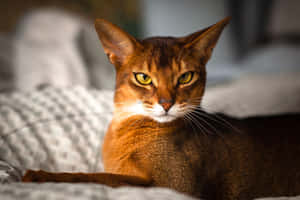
point(205, 40)
point(118, 45)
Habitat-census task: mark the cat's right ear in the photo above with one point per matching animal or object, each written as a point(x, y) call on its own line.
point(118, 45)
point(204, 40)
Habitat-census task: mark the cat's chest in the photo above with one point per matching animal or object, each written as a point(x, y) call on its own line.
point(164, 154)
point(157, 145)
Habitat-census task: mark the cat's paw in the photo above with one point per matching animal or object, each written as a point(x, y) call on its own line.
point(34, 176)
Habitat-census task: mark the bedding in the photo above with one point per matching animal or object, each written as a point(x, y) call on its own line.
point(51, 191)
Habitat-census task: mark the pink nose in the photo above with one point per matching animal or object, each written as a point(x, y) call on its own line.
point(166, 104)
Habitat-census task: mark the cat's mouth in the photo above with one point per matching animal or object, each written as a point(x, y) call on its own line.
point(164, 118)
point(156, 112)
point(159, 114)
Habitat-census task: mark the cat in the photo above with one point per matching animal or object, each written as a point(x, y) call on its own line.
point(160, 136)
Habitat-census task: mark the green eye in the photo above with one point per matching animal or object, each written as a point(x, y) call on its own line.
point(186, 78)
point(143, 78)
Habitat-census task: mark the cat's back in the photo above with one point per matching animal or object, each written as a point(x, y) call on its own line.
point(258, 155)
point(265, 155)
point(279, 131)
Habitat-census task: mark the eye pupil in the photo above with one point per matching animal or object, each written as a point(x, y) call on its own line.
point(145, 77)
point(186, 78)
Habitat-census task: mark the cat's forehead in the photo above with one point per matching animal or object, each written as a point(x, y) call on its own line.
point(161, 50)
point(161, 54)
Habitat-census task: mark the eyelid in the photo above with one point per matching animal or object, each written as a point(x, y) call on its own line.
point(139, 82)
point(135, 73)
point(185, 73)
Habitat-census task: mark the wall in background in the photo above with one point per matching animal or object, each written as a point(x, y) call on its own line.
point(178, 18)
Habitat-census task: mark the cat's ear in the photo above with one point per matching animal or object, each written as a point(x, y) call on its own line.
point(205, 40)
point(118, 45)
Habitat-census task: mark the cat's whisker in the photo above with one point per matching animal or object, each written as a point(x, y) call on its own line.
point(214, 130)
point(202, 124)
point(210, 125)
point(212, 116)
point(190, 121)
point(217, 118)
point(193, 119)
point(198, 111)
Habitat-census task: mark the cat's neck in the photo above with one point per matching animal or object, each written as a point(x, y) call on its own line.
point(142, 124)
point(200, 122)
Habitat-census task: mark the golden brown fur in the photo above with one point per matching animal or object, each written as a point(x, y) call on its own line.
point(212, 156)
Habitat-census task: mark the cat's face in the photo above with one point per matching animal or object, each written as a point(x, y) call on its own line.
point(161, 77)
point(160, 81)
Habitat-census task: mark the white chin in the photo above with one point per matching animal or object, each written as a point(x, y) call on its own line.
point(164, 118)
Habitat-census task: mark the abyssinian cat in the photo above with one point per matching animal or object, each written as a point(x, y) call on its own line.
point(160, 136)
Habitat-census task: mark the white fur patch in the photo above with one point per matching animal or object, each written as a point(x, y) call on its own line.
point(157, 112)
point(137, 108)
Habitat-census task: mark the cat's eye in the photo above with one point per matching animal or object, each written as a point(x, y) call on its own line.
point(143, 79)
point(186, 78)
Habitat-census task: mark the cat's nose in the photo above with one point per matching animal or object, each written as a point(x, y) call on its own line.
point(166, 104)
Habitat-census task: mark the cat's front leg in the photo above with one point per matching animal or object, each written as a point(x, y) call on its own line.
point(113, 180)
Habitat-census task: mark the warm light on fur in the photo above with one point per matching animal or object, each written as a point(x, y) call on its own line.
point(160, 136)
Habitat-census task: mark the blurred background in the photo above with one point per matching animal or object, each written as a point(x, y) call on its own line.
point(53, 42)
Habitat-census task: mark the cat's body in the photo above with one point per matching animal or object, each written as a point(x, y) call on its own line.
point(159, 135)
point(255, 159)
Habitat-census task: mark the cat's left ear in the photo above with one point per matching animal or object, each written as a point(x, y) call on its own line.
point(205, 40)
point(118, 45)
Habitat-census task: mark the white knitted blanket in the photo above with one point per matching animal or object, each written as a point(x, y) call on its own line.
point(54, 129)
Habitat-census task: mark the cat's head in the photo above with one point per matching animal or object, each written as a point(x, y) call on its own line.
point(160, 77)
